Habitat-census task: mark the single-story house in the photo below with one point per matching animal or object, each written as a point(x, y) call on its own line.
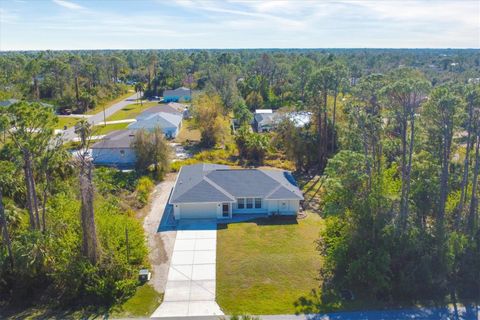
point(168, 119)
point(176, 95)
point(211, 191)
point(171, 107)
point(264, 120)
point(9, 102)
point(299, 118)
point(115, 149)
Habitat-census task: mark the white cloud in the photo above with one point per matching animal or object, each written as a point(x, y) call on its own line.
point(243, 23)
point(68, 4)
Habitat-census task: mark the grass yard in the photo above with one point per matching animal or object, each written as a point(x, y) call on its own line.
point(265, 266)
point(131, 111)
point(101, 129)
point(186, 133)
point(142, 304)
point(66, 121)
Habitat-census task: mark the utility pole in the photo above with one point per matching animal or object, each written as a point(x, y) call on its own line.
point(128, 247)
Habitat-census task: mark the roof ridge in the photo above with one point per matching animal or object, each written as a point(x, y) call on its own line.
point(216, 186)
point(275, 189)
point(186, 190)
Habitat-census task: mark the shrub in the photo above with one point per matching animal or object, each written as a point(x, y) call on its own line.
point(144, 187)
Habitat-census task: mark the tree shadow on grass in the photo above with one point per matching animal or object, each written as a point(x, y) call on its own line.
point(314, 303)
point(46, 312)
point(264, 221)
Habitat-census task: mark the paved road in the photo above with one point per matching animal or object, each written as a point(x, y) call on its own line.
point(439, 313)
point(69, 134)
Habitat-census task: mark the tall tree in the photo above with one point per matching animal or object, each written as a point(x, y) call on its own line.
point(319, 86)
point(405, 96)
point(90, 245)
point(6, 178)
point(31, 130)
point(208, 117)
point(151, 148)
point(339, 82)
point(441, 112)
point(473, 108)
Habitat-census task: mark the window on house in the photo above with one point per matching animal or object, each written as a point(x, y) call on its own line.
point(122, 153)
point(258, 203)
point(241, 203)
point(249, 203)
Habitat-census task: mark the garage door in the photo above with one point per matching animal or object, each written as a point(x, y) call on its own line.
point(198, 211)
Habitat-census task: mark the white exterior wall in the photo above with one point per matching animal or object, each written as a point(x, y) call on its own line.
point(196, 210)
point(290, 208)
point(114, 156)
point(211, 210)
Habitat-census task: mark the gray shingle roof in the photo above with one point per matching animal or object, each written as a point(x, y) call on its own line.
point(216, 183)
point(159, 119)
point(116, 139)
point(178, 91)
point(167, 108)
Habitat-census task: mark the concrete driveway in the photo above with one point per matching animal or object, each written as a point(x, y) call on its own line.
point(190, 289)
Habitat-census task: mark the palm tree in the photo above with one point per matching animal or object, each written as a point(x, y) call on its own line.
point(139, 89)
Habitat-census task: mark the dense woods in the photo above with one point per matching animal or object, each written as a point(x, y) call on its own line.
point(394, 138)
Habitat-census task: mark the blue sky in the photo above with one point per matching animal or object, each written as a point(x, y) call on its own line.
point(144, 24)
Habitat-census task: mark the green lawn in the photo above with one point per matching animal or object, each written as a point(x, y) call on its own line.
point(101, 129)
point(66, 121)
point(265, 268)
point(142, 304)
point(131, 111)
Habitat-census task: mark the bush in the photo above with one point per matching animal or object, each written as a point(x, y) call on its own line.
point(144, 188)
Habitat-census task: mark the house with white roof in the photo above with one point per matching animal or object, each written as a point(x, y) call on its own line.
point(165, 117)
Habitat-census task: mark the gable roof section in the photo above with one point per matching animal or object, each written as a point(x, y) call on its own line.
point(282, 193)
point(177, 91)
point(118, 139)
point(217, 183)
point(203, 192)
point(243, 183)
point(159, 119)
point(166, 108)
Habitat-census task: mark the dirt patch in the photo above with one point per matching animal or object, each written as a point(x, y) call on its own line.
point(160, 244)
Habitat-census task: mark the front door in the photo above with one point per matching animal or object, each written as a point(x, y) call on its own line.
point(226, 210)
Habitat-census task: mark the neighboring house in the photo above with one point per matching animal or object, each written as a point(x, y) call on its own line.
point(210, 191)
point(172, 107)
point(263, 120)
point(176, 95)
point(115, 149)
point(164, 117)
point(299, 118)
point(7, 103)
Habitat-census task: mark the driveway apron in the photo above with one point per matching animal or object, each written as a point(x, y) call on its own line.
point(190, 289)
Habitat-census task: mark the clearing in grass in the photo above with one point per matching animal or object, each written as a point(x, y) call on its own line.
point(131, 111)
point(265, 266)
point(101, 129)
point(67, 121)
